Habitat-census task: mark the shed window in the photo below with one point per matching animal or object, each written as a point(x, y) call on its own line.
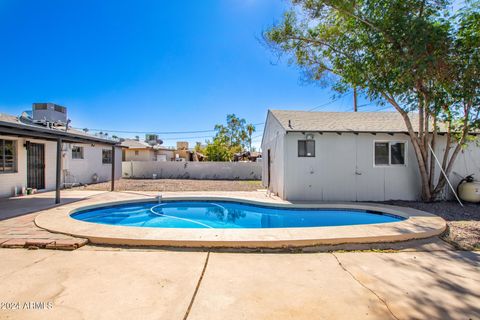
point(77, 152)
point(8, 156)
point(397, 153)
point(389, 153)
point(306, 148)
point(106, 156)
point(381, 153)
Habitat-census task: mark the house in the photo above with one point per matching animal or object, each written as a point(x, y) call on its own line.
point(347, 156)
point(148, 150)
point(39, 150)
point(184, 153)
point(250, 156)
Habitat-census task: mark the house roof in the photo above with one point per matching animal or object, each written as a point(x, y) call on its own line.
point(23, 126)
point(390, 122)
point(135, 144)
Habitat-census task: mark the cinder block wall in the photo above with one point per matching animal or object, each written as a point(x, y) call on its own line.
point(192, 170)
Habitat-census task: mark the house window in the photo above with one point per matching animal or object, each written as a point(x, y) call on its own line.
point(136, 152)
point(77, 152)
point(106, 156)
point(8, 159)
point(306, 148)
point(389, 153)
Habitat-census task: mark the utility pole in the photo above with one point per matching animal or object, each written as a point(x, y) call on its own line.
point(355, 109)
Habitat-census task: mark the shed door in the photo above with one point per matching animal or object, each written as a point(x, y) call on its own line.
point(269, 164)
point(35, 165)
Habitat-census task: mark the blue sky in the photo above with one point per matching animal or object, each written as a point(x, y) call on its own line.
point(149, 65)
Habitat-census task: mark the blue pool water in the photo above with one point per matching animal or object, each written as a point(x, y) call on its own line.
point(223, 214)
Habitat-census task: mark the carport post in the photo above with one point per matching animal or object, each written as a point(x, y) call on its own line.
point(112, 188)
point(58, 170)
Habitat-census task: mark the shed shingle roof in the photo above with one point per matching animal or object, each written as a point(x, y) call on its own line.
point(343, 121)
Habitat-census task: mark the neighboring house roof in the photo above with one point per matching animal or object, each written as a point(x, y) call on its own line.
point(137, 144)
point(388, 122)
point(23, 126)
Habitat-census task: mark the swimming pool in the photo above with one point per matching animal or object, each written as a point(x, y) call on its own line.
point(226, 215)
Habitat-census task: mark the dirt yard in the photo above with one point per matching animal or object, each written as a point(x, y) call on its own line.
point(463, 223)
point(177, 185)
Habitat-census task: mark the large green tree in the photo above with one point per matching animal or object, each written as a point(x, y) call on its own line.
point(230, 138)
point(410, 54)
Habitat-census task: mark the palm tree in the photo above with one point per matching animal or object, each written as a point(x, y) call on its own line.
point(250, 129)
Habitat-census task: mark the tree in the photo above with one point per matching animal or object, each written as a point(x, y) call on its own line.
point(250, 130)
point(234, 132)
point(410, 54)
point(217, 151)
point(229, 139)
point(198, 147)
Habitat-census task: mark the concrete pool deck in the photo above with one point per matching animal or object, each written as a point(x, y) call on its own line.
point(113, 283)
point(17, 215)
point(418, 225)
point(425, 279)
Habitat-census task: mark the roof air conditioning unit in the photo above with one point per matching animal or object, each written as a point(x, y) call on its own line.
point(152, 139)
point(44, 113)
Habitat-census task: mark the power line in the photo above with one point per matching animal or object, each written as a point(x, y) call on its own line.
point(256, 137)
point(155, 132)
point(323, 105)
point(188, 132)
point(187, 138)
point(366, 104)
point(183, 132)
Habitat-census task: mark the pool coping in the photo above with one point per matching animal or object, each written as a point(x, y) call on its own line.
point(418, 225)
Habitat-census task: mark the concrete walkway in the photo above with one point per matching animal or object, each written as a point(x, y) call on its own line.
point(17, 215)
point(110, 283)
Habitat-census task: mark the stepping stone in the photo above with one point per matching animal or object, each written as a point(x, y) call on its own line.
point(13, 243)
point(67, 244)
point(37, 243)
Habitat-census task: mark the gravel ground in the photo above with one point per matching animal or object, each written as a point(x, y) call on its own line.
point(178, 185)
point(463, 223)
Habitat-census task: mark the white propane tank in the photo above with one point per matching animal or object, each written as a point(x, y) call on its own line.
point(469, 190)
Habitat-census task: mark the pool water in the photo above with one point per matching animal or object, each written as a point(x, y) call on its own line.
point(225, 214)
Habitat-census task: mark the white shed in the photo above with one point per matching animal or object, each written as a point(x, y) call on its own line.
point(347, 156)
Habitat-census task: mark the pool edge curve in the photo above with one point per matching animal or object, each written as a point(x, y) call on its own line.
point(417, 225)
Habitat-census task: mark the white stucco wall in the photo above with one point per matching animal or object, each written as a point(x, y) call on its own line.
point(84, 169)
point(192, 170)
point(81, 169)
point(8, 181)
point(274, 140)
